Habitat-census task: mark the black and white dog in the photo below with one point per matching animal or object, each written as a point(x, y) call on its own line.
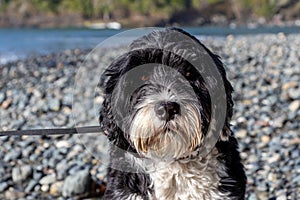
point(162, 112)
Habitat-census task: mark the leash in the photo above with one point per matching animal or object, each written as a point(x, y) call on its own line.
point(57, 131)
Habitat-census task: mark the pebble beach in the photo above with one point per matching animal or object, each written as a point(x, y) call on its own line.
point(43, 92)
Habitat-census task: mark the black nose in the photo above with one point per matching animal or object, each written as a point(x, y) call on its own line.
point(167, 110)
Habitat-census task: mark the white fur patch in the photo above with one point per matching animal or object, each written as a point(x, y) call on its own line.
point(189, 179)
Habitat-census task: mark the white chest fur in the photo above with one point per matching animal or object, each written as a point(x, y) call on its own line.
point(196, 179)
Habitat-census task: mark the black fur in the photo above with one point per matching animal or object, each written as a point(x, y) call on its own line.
point(120, 184)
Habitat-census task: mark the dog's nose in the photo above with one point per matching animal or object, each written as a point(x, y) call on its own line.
point(167, 110)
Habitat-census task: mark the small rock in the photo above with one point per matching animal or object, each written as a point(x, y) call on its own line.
point(6, 103)
point(2, 97)
point(296, 180)
point(252, 197)
point(63, 144)
point(241, 133)
point(281, 195)
point(265, 139)
point(12, 155)
point(56, 188)
point(288, 85)
point(2, 173)
point(20, 174)
point(54, 104)
point(60, 120)
point(294, 106)
point(45, 188)
point(30, 186)
point(13, 194)
point(49, 179)
point(294, 93)
point(262, 195)
point(37, 175)
point(37, 188)
point(278, 122)
point(3, 186)
point(76, 184)
point(274, 158)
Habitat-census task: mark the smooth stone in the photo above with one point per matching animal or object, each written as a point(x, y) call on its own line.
point(252, 196)
point(62, 166)
point(296, 179)
point(12, 155)
point(54, 104)
point(278, 122)
point(37, 188)
point(37, 175)
point(27, 151)
point(281, 195)
point(13, 194)
point(265, 139)
point(75, 169)
point(45, 188)
point(241, 133)
point(3, 175)
point(63, 144)
point(56, 188)
point(288, 85)
point(3, 186)
point(6, 103)
point(294, 93)
point(76, 183)
point(32, 183)
point(60, 120)
point(294, 106)
point(20, 174)
point(49, 179)
point(2, 97)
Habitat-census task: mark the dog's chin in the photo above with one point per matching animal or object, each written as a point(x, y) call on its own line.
point(166, 141)
point(169, 146)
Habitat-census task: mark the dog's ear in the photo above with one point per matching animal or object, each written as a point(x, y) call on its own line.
point(117, 85)
point(108, 83)
point(226, 132)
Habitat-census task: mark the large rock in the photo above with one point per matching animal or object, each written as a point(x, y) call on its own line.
point(78, 183)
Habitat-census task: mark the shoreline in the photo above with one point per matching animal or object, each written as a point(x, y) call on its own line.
point(85, 38)
point(38, 93)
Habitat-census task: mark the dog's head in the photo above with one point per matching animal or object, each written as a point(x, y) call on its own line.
point(158, 100)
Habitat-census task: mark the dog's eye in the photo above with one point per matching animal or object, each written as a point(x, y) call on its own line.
point(187, 74)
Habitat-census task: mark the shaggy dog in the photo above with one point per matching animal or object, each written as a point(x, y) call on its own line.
point(166, 112)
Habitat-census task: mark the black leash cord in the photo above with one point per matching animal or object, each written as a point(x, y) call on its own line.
point(55, 131)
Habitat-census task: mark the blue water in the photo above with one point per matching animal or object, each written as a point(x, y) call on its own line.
point(20, 43)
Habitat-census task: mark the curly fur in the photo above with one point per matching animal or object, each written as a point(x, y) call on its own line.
point(135, 132)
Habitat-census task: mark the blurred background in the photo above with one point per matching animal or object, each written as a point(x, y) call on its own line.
point(30, 27)
point(137, 13)
point(45, 44)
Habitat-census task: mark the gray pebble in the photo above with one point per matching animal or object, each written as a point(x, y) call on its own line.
point(2, 97)
point(12, 155)
point(3, 186)
point(14, 194)
point(30, 186)
point(49, 179)
point(54, 104)
point(37, 175)
point(76, 184)
point(252, 197)
point(294, 93)
point(21, 173)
